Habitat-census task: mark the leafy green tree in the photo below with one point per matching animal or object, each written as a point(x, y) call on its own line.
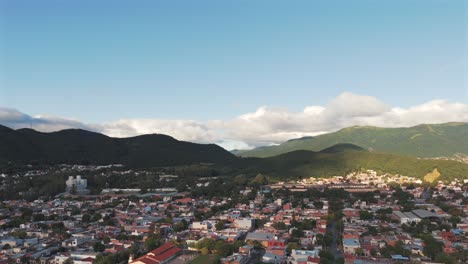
point(106, 240)
point(86, 218)
point(68, 261)
point(96, 217)
point(366, 215)
point(180, 226)
point(432, 246)
point(292, 246)
point(279, 226)
point(220, 225)
point(223, 249)
point(152, 242)
point(446, 259)
point(98, 247)
point(318, 204)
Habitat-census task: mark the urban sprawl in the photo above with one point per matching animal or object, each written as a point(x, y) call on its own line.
point(362, 217)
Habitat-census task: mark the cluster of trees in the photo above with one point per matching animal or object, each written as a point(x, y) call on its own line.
point(404, 199)
point(218, 247)
point(399, 248)
point(423, 227)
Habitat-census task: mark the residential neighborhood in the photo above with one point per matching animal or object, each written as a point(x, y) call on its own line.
point(361, 217)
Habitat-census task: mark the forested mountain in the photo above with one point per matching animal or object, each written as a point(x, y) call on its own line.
point(74, 146)
point(77, 146)
point(419, 141)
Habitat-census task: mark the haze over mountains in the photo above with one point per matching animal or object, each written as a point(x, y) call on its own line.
point(419, 141)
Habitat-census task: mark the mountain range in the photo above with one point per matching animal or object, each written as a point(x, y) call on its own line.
point(81, 146)
point(424, 141)
point(75, 146)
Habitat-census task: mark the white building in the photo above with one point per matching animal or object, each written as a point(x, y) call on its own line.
point(300, 256)
point(77, 185)
point(201, 225)
point(406, 217)
point(244, 223)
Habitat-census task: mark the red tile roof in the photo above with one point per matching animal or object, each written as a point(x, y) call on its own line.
point(159, 255)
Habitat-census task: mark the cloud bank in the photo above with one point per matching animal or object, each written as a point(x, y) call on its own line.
point(265, 126)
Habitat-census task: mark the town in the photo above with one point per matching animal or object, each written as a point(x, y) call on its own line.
point(361, 217)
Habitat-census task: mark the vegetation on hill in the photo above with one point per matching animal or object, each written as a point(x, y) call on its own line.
point(75, 146)
point(150, 151)
point(304, 164)
point(420, 141)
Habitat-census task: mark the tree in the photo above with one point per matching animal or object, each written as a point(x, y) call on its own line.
point(21, 234)
point(68, 261)
point(152, 242)
point(297, 233)
point(96, 217)
point(240, 180)
point(292, 246)
point(220, 225)
point(432, 246)
point(318, 204)
point(99, 247)
point(259, 180)
point(359, 251)
point(205, 251)
point(180, 226)
point(366, 215)
point(223, 249)
point(446, 259)
point(326, 256)
point(279, 226)
point(86, 218)
point(319, 239)
point(106, 240)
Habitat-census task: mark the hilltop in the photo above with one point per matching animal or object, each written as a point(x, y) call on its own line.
point(76, 146)
point(425, 141)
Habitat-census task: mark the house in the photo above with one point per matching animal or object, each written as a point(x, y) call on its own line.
point(350, 245)
point(405, 217)
point(263, 238)
point(312, 260)
point(235, 258)
point(161, 255)
point(301, 256)
point(243, 223)
point(270, 257)
point(201, 225)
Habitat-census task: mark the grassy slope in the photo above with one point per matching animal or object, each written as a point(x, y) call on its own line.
point(420, 141)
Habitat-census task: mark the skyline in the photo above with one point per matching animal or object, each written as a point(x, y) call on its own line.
point(201, 70)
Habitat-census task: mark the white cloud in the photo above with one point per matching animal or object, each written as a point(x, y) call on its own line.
point(15, 119)
point(266, 125)
point(187, 130)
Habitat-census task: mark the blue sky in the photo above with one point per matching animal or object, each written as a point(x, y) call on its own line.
point(98, 61)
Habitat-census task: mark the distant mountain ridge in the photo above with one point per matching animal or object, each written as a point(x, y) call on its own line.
point(78, 146)
point(75, 146)
point(425, 141)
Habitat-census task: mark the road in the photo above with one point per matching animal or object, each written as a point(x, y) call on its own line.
point(334, 247)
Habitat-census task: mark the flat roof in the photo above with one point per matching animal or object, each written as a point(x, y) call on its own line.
point(424, 213)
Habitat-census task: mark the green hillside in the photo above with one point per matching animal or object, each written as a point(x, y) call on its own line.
point(303, 164)
point(420, 141)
